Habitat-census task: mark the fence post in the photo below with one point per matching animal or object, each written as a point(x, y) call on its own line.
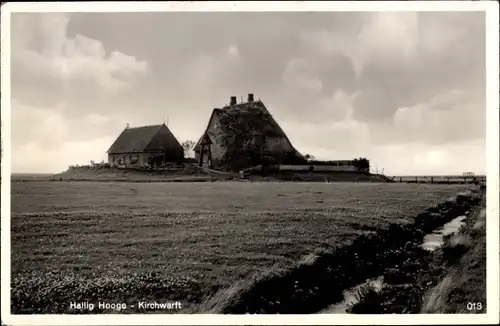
point(416, 179)
point(432, 179)
point(400, 179)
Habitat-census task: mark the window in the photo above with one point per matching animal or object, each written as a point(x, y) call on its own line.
point(258, 140)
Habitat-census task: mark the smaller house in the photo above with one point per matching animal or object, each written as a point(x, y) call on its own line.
point(145, 146)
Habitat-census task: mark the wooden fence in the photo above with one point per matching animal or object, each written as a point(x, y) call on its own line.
point(440, 179)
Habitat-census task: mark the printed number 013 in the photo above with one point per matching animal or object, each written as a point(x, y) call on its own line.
point(474, 306)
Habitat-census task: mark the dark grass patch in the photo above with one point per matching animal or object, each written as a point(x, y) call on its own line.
point(398, 276)
point(369, 301)
point(392, 299)
point(453, 254)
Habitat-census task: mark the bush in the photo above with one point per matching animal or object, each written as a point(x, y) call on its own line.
point(362, 164)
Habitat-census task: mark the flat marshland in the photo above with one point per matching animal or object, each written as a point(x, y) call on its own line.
point(126, 242)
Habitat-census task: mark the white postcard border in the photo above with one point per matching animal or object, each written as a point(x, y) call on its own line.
point(492, 144)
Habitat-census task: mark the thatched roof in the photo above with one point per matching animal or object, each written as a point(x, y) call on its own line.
point(251, 118)
point(254, 116)
point(142, 139)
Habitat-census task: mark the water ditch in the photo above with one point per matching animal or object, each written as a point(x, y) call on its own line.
point(432, 241)
point(392, 255)
point(352, 296)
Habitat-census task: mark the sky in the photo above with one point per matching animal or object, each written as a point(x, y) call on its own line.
point(404, 89)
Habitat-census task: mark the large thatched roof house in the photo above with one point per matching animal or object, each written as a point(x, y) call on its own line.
point(241, 135)
point(142, 146)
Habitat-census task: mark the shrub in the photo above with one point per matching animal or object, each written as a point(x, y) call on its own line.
point(362, 164)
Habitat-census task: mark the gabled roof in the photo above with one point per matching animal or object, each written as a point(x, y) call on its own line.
point(251, 116)
point(257, 116)
point(139, 139)
point(205, 136)
point(204, 140)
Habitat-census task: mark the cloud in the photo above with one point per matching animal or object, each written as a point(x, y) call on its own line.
point(353, 139)
point(382, 85)
point(400, 59)
point(44, 57)
point(58, 85)
point(47, 127)
point(424, 57)
point(233, 50)
point(51, 127)
point(422, 159)
point(396, 48)
point(299, 76)
point(33, 158)
point(95, 120)
point(337, 107)
point(336, 139)
point(45, 140)
point(454, 116)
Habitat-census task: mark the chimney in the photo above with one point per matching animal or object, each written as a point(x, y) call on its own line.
point(250, 98)
point(232, 101)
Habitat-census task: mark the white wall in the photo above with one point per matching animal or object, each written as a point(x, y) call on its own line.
point(319, 168)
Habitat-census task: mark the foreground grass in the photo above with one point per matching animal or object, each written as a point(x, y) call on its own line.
point(462, 288)
point(310, 288)
point(55, 291)
point(448, 280)
point(133, 241)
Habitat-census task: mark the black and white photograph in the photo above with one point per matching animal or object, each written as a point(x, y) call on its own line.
point(239, 159)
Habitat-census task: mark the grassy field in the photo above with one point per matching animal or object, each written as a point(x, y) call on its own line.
point(184, 241)
point(450, 279)
point(462, 287)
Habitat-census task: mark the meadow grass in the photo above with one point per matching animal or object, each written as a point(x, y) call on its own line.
point(462, 288)
point(185, 241)
point(450, 279)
